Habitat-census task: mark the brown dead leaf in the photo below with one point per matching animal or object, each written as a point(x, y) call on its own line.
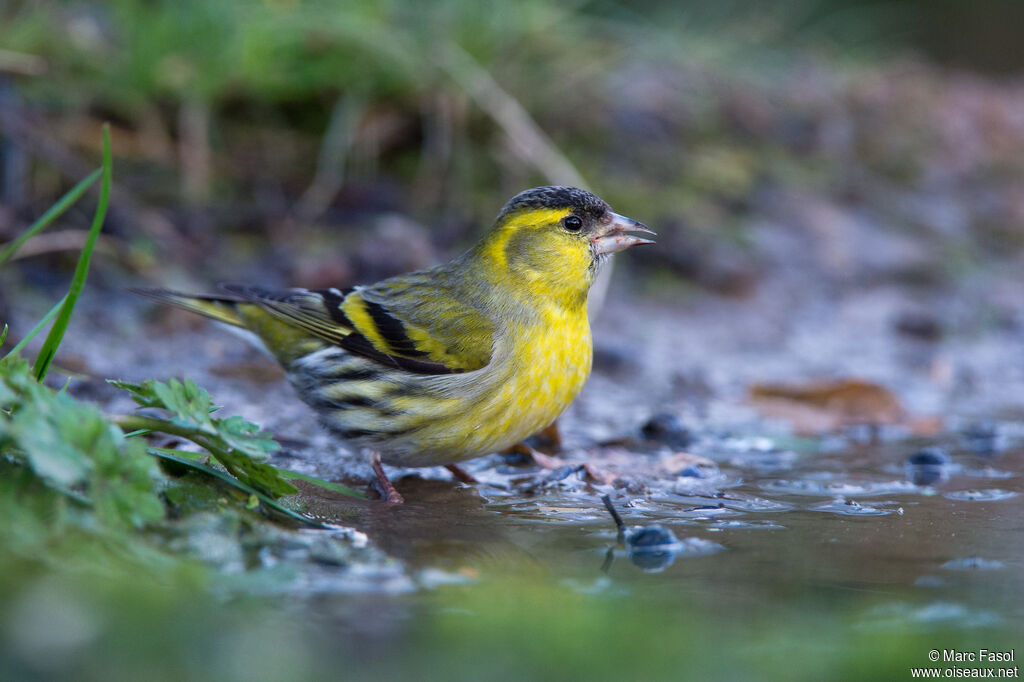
point(822, 406)
point(927, 426)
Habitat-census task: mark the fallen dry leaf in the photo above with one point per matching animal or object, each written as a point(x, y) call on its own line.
point(822, 406)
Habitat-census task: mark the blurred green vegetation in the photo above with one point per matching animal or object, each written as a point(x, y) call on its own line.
point(259, 136)
point(108, 563)
point(121, 623)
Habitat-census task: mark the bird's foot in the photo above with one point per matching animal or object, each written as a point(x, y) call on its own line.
point(542, 460)
point(549, 462)
point(387, 488)
point(549, 438)
point(460, 474)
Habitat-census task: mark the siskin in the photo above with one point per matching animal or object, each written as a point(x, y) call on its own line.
point(442, 365)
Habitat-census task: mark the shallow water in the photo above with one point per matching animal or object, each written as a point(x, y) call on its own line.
point(855, 550)
point(839, 539)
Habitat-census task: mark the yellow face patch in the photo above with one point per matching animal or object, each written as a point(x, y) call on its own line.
point(494, 247)
point(539, 259)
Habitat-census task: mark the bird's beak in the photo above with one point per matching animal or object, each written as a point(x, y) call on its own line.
point(611, 235)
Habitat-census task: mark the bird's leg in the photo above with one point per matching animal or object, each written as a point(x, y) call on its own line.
point(542, 460)
point(551, 434)
point(460, 474)
point(548, 436)
point(386, 487)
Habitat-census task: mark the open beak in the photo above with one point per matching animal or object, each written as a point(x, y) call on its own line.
point(612, 236)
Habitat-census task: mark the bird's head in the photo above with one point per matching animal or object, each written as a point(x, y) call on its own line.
point(551, 241)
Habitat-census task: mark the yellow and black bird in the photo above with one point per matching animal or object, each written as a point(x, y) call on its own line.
point(442, 365)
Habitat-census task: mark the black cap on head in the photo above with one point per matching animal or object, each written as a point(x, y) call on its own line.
point(556, 196)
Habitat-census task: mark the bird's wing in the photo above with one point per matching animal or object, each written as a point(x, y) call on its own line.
point(406, 323)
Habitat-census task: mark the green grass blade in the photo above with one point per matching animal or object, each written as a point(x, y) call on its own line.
point(38, 328)
point(289, 475)
point(56, 334)
point(178, 457)
point(52, 214)
point(187, 454)
point(3, 335)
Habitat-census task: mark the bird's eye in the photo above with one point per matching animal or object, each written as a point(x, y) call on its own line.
point(572, 223)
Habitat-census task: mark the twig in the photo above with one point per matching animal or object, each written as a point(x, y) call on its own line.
point(22, 64)
point(534, 145)
point(194, 149)
point(532, 142)
point(330, 163)
point(441, 114)
point(66, 240)
point(619, 525)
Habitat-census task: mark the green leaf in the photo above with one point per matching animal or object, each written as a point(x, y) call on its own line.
point(51, 442)
point(190, 404)
point(226, 478)
point(247, 437)
point(326, 485)
point(56, 334)
point(74, 450)
point(141, 393)
point(259, 475)
point(239, 445)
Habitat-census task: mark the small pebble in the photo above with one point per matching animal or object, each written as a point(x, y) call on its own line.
point(928, 467)
point(929, 457)
point(983, 438)
point(667, 428)
point(562, 473)
point(651, 536)
point(920, 325)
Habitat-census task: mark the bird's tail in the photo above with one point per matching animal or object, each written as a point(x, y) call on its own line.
point(220, 307)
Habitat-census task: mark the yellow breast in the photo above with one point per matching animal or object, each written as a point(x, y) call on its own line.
point(543, 367)
point(546, 372)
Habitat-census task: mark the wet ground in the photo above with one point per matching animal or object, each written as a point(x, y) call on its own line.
point(767, 515)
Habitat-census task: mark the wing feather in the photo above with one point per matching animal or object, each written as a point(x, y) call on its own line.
point(396, 328)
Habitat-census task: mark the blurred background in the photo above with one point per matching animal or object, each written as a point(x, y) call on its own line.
point(838, 189)
point(322, 143)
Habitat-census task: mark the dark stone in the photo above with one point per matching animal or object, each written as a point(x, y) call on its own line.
point(982, 438)
point(651, 537)
point(920, 325)
point(929, 457)
point(667, 428)
point(928, 466)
